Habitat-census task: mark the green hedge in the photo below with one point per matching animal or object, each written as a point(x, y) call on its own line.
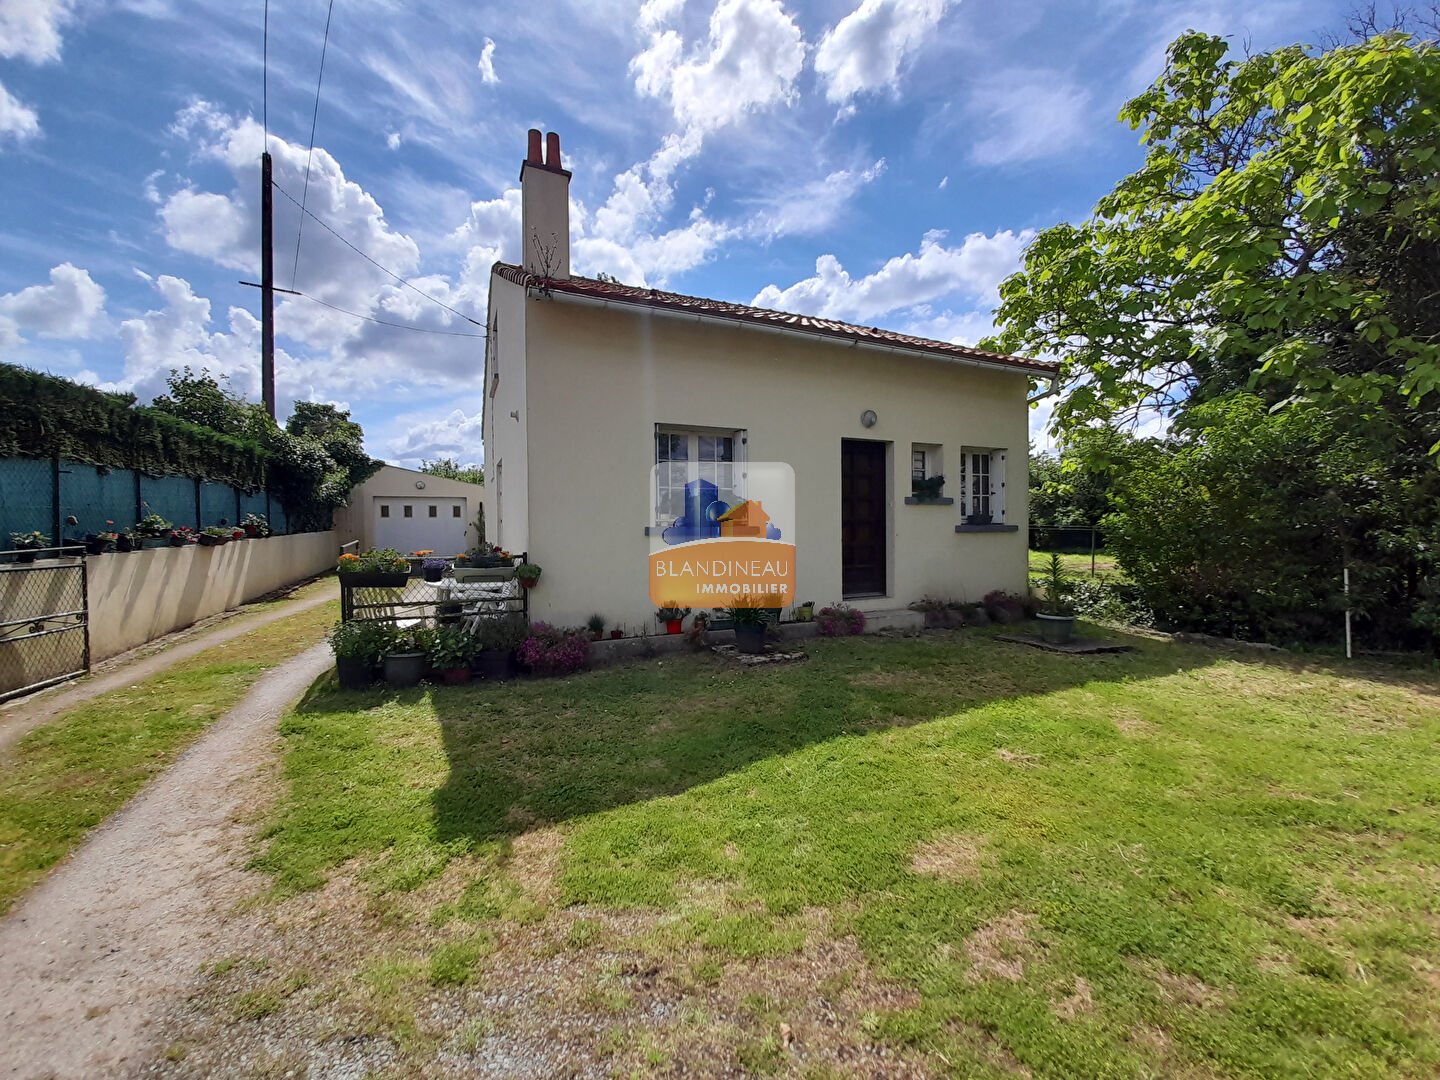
point(42, 415)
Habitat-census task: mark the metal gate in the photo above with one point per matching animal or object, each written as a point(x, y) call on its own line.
point(44, 626)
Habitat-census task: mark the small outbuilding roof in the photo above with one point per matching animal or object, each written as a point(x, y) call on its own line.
point(614, 292)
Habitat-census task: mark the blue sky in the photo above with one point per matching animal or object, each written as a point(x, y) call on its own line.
point(882, 161)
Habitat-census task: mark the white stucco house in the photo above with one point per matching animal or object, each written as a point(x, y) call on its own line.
point(590, 385)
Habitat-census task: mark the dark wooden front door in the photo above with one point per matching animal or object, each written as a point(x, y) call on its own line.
point(862, 518)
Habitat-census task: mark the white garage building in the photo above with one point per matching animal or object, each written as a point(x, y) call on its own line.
point(411, 511)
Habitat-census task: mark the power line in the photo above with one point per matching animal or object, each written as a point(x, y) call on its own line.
point(378, 265)
point(383, 322)
point(314, 118)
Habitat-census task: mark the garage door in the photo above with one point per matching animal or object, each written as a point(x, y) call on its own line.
point(418, 524)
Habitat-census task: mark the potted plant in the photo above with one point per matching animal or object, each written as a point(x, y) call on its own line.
point(1057, 610)
point(451, 650)
point(382, 568)
point(127, 540)
point(805, 612)
point(26, 544)
point(181, 535)
point(927, 488)
point(405, 656)
point(1004, 608)
point(554, 650)
point(255, 526)
point(486, 556)
point(840, 620)
point(751, 618)
point(672, 616)
point(237, 533)
point(498, 638)
point(153, 526)
point(596, 625)
point(434, 569)
point(215, 535)
point(617, 633)
point(527, 574)
point(978, 518)
point(358, 645)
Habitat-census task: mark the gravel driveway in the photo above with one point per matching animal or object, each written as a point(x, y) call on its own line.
point(118, 933)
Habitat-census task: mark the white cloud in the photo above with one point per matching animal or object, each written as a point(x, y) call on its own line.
point(487, 64)
point(392, 141)
point(974, 269)
point(750, 59)
point(71, 306)
point(16, 118)
point(30, 29)
point(454, 435)
point(812, 207)
point(865, 50)
point(1027, 115)
point(655, 13)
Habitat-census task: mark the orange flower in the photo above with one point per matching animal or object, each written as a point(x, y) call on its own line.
point(348, 557)
point(427, 551)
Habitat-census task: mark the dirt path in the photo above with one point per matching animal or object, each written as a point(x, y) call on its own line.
point(28, 713)
point(113, 937)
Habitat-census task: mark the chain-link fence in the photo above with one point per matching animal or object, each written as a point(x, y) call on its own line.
point(42, 494)
point(44, 632)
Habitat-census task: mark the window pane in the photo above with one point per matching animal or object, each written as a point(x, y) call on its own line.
point(454, 511)
point(408, 512)
point(917, 464)
point(434, 511)
point(384, 511)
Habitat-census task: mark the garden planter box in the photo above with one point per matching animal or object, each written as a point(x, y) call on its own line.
point(483, 573)
point(404, 669)
point(375, 579)
point(354, 674)
point(495, 664)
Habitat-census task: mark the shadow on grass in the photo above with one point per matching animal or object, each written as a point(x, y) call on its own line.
point(547, 751)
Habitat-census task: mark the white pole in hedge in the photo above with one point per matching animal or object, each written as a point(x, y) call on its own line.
point(1348, 655)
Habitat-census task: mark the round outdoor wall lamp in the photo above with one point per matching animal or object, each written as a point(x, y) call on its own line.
point(868, 418)
point(420, 484)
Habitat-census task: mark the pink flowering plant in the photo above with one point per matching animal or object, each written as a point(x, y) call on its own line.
point(555, 650)
point(840, 620)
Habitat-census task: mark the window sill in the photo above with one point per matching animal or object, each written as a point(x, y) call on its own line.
point(987, 528)
point(942, 501)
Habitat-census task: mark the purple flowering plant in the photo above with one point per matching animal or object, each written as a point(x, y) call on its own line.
point(555, 650)
point(840, 620)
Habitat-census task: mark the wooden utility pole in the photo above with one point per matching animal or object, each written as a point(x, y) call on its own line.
point(267, 288)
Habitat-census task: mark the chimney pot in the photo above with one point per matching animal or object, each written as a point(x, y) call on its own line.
point(533, 157)
point(552, 150)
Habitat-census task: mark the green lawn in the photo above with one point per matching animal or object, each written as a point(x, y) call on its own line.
point(1105, 565)
point(1174, 862)
point(64, 778)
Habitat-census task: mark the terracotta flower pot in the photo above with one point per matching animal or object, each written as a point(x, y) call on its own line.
point(528, 582)
point(616, 635)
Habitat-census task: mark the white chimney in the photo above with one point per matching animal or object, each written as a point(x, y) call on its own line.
point(545, 209)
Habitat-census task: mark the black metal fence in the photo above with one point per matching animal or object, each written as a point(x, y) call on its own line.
point(44, 621)
point(1069, 539)
point(462, 597)
point(41, 494)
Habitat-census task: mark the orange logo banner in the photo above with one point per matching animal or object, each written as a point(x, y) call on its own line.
point(718, 572)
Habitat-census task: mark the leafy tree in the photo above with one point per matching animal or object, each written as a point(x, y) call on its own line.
point(202, 399)
point(453, 470)
point(1070, 488)
point(1269, 278)
point(1282, 236)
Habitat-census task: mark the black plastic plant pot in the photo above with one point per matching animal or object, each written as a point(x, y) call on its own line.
point(25, 556)
point(404, 669)
point(750, 639)
point(434, 574)
point(375, 579)
point(496, 664)
point(354, 674)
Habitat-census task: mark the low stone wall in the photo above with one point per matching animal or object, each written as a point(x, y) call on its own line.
point(139, 596)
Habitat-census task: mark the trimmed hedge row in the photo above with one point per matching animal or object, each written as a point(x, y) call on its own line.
point(43, 415)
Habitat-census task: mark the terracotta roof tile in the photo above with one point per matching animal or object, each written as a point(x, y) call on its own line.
point(633, 294)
